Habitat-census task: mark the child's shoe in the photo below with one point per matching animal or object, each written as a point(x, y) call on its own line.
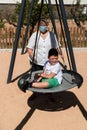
point(23, 84)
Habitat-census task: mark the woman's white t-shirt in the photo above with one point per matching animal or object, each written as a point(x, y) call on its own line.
point(42, 47)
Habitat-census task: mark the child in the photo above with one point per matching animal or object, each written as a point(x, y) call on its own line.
point(52, 73)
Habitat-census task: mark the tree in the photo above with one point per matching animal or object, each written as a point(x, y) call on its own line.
point(35, 12)
point(77, 12)
point(1, 24)
point(7, 12)
point(11, 13)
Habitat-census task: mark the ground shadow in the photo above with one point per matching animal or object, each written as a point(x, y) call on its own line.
point(52, 102)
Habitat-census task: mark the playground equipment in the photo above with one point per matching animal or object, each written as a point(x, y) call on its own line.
point(71, 78)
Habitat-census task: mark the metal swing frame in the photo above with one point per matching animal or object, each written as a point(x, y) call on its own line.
point(66, 29)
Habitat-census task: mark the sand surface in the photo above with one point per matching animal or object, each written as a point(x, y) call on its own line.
point(68, 111)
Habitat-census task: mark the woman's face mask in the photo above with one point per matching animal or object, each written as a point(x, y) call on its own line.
point(43, 29)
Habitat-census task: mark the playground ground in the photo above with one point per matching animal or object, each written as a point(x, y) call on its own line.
point(68, 111)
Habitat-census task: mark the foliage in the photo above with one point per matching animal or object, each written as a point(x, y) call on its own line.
point(77, 11)
point(7, 12)
point(35, 12)
point(1, 24)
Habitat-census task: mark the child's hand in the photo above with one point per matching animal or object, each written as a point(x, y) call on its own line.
point(36, 76)
point(42, 75)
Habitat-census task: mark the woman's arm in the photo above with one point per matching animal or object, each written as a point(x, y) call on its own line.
point(30, 52)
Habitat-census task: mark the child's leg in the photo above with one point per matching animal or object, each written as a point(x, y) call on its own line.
point(40, 84)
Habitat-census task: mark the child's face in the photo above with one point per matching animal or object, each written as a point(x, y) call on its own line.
point(53, 59)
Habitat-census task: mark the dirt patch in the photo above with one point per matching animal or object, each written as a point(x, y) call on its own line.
point(68, 111)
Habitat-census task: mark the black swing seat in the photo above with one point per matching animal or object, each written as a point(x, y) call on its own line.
point(70, 79)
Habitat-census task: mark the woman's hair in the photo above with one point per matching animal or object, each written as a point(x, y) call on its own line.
point(53, 52)
point(44, 20)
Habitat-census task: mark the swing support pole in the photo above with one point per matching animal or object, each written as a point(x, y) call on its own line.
point(18, 30)
point(27, 28)
point(67, 35)
point(52, 17)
